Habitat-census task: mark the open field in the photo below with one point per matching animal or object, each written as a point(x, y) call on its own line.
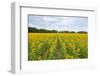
point(52, 46)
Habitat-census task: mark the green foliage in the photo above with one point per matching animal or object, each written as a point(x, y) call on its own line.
point(57, 46)
point(36, 30)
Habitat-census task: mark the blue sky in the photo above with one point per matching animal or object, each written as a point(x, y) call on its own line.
point(59, 23)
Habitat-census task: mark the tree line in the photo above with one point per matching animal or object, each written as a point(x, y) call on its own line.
point(35, 30)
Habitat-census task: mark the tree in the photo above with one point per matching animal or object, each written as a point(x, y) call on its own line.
point(82, 32)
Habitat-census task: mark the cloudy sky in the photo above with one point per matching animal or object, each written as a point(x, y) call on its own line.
point(58, 23)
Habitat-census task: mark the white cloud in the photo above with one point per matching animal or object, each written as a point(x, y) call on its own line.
point(51, 19)
point(36, 26)
point(59, 23)
point(30, 25)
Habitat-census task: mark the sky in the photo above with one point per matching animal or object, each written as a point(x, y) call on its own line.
point(59, 23)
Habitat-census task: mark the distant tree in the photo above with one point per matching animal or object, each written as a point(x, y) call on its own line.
point(35, 30)
point(31, 29)
point(82, 32)
point(72, 32)
point(63, 31)
point(54, 31)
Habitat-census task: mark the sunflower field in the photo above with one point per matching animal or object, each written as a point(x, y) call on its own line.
point(52, 46)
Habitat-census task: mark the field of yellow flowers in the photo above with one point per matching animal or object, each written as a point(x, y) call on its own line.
point(52, 46)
